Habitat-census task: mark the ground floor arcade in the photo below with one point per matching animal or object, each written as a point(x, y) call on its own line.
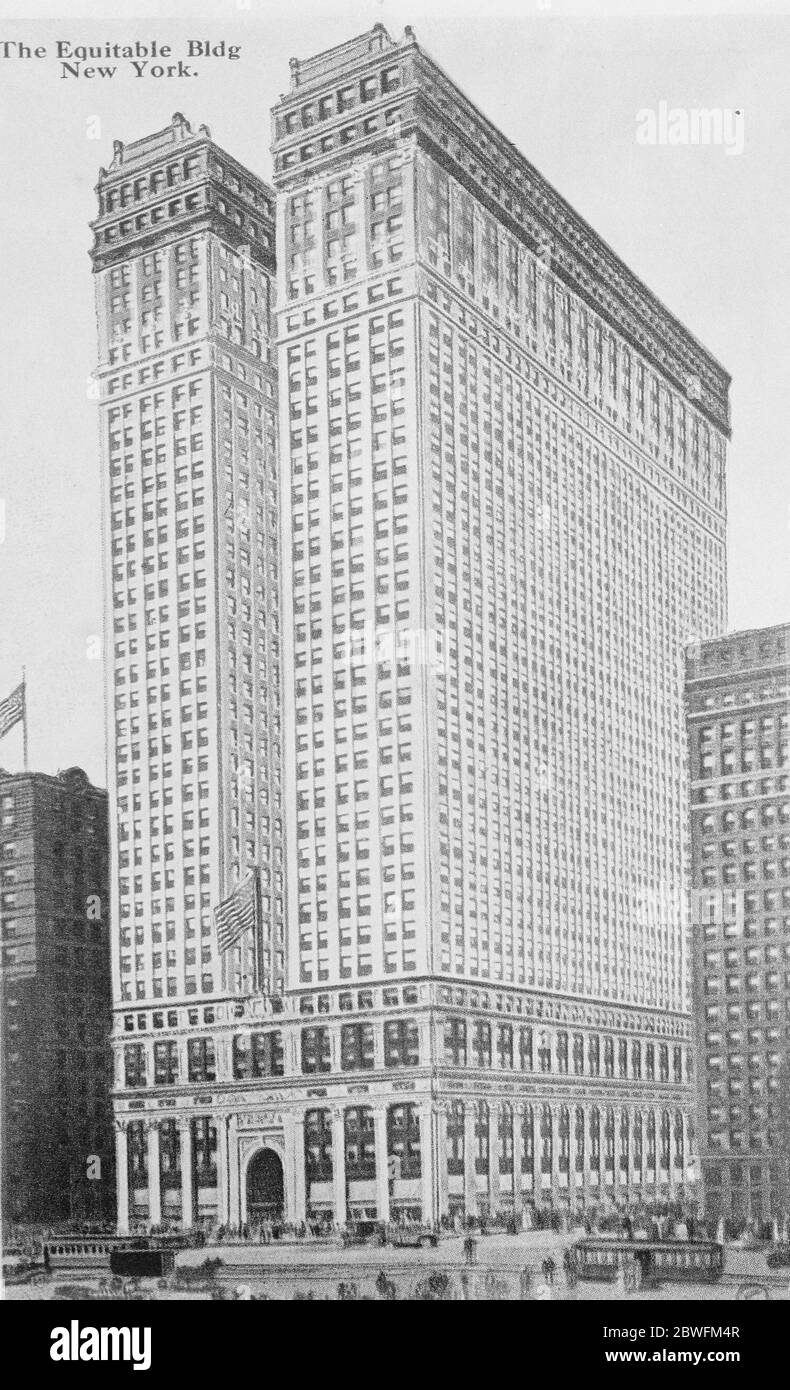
point(395, 1157)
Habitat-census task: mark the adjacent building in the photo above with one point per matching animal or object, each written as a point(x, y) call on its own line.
point(54, 900)
point(502, 505)
point(738, 709)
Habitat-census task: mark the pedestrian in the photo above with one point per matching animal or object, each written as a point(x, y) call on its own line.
point(525, 1282)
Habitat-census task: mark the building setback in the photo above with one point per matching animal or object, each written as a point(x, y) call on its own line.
point(502, 515)
point(738, 706)
point(56, 998)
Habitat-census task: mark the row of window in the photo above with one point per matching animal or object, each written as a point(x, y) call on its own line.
point(154, 182)
point(543, 1139)
point(344, 99)
point(261, 1054)
point(523, 1049)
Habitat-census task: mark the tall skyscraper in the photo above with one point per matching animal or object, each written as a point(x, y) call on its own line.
point(503, 469)
point(502, 501)
point(183, 258)
point(738, 704)
point(54, 910)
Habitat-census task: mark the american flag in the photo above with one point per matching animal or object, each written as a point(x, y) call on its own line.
point(12, 709)
point(238, 913)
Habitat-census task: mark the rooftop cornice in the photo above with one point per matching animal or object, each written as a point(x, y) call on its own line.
point(130, 160)
point(706, 664)
point(307, 73)
point(577, 252)
point(481, 156)
point(70, 777)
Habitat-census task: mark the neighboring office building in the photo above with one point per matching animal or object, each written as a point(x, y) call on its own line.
point(503, 513)
point(54, 905)
point(738, 703)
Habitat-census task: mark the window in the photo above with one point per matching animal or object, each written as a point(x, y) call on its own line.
point(401, 1043)
point(165, 1063)
point(360, 1143)
point(455, 1139)
point(257, 1054)
point(481, 1132)
point(318, 1145)
point(204, 1138)
point(356, 1047)
point(134, 1064)
point(455, 1042)
point(481, 1045)
point(505, 1046)
point(316, 1051)
point(403, 1139)
point(201, 1059)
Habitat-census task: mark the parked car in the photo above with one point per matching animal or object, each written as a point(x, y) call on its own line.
point(364, 1233)
point(36, 1274)
point(196, 1277)
point(77, 1292)
point(19, 1268)
point(412, 1237)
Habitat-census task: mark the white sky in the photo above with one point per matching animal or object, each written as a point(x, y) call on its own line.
point(709, 233)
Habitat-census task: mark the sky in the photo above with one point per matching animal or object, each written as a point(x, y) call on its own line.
point(707, 231)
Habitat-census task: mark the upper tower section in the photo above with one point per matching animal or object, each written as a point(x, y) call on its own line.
point(175, 183)
point(372, 92)
point(345, 102)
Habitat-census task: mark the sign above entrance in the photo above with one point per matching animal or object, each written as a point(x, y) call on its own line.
point(260, 1119)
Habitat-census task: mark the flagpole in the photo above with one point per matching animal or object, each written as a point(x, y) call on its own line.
point(24, 717)
point(258, 935)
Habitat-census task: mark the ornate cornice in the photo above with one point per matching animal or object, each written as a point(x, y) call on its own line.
point(430, 108)
point(550, 229)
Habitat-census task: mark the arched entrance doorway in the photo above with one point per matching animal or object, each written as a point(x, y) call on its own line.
point(265, 1188)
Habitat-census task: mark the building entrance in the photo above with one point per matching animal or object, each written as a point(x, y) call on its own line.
point(265, 1188)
